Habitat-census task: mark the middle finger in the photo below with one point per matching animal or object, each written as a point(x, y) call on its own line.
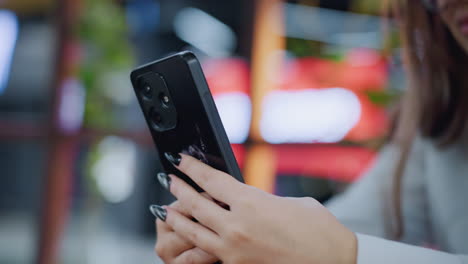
point(206, 211)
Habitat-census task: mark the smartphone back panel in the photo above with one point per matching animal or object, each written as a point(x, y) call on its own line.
point(181, 113)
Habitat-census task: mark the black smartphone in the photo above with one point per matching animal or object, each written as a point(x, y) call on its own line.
point(181, 114)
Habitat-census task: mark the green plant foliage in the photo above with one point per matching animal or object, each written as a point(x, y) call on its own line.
point(103, 36)
point(303, 48)
point(373, 7)
point(308, 48)
point(383, 98)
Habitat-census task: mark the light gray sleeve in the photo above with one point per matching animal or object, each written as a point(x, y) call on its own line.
point(360, 207)
point(365, 206)
point(376, 250)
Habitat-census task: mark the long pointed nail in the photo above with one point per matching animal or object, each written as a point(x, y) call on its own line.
point(159, 212)
point(164, 180)
point(173, 158)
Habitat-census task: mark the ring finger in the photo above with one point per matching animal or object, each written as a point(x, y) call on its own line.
point(169, 244)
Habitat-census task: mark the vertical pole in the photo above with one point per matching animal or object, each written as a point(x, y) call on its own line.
point(62, 145)
point(268, 42)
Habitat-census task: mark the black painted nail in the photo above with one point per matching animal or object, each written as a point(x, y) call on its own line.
point(173, 158)
point(159, 212)
point(164, 180)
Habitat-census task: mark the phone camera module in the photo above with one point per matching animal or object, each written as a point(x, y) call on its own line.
point(157, 104)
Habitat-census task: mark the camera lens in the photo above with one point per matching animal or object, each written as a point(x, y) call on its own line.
point(164, 99)
point(147, 91)
point(155, 117)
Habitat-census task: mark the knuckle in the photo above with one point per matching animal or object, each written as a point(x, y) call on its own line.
point(193, 206)
point(243, 202)
point(193, 237)
point(207, 175)
point(246, 203)
point(238, 236)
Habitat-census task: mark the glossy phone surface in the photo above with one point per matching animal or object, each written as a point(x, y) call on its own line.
point(181, 114)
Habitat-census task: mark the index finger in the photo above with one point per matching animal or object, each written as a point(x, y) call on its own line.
point(219, 185)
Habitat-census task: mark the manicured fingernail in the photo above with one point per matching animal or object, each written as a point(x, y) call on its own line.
point(173, 158)
point(164, 180)
point(159, 212)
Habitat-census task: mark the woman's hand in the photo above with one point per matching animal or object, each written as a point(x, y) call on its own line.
point(258, 227)
point(174, 249)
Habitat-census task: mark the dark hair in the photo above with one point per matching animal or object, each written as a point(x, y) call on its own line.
point(435, 105)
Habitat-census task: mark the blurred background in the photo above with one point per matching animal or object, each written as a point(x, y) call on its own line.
point(304, 88)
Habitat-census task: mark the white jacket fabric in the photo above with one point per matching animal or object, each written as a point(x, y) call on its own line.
point(435, 207)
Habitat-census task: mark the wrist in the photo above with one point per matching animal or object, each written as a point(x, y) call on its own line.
point(350, 249)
